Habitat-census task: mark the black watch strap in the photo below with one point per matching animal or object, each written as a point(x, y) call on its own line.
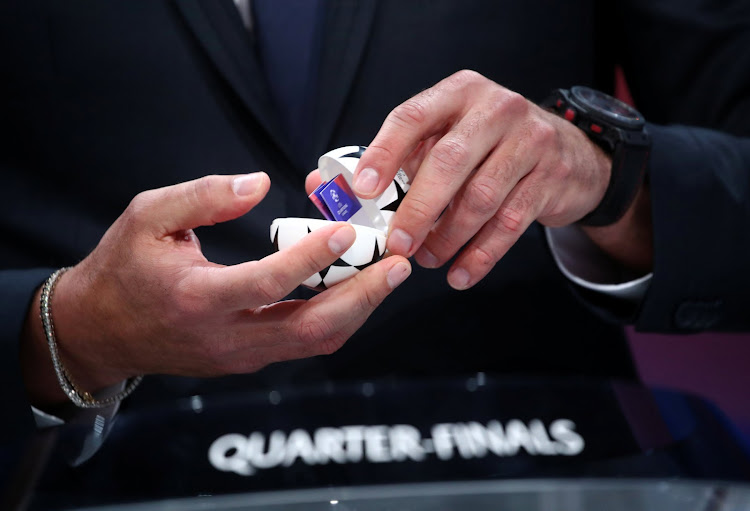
point(628, 148)
point(628, 172)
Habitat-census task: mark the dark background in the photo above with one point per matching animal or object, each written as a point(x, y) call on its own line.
point(711, 365)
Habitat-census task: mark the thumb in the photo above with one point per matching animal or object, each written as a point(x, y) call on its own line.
point(205, 201)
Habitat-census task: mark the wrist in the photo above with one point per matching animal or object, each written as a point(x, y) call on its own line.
point(621, 132)
point(38, 373)
point(81, 345)
point(86, 345)
point(629, 241)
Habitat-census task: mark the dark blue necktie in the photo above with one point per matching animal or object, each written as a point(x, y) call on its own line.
point(288, 43)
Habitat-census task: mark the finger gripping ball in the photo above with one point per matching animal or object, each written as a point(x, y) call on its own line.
point(370, 218)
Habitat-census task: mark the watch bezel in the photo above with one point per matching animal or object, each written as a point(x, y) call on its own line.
point(582, 96)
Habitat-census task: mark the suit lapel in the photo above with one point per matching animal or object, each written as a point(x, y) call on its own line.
point(219, 29)
point(346, 30)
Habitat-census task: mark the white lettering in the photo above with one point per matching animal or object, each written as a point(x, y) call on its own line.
point(496, 441)
point(228, 453)
point(480, 438)
point(376, 444)
point(406, 442)
point(442, 441)
point(569, 443)
point(329, 442)
point(275, 454)
point(353, 438)
point(540, 439)
point(243, 455)
point(470, 441)
point(518, 436)
point(300, 445)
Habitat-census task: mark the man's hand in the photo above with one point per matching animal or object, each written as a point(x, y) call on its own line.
point(146, 300)
point(484, 163)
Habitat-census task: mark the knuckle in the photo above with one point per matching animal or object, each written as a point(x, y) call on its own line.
point(505, 102)
point(330, 345)
point(409, 113)
point(313, 329)
point(268, 286)
point(380, 151)
point(308, 257)
point(315, 261)
point(563, 169)
point(202, 193)
point(517, 102)
point(481, 198)
point(140, 205)
point(440, 241)
point(543, 133)
point(450, 157)
point(203, 187)
point(466, 77)
point(509, 220)
point(483, 260)
point(369, 300)
point(419, 210)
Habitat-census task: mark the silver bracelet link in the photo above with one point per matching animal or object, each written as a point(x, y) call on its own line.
point(79, 397)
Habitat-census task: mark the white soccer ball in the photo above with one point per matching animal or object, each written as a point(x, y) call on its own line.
point(368, 248)
point(344, 161)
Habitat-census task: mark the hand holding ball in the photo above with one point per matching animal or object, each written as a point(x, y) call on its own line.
point(370, 222)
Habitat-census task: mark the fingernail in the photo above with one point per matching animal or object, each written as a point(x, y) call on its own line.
point(426, 259)
point(247, 184)
point(341, 240)
point(398, 274)
point(459, 279)
point(399, 242)
point(366, 181)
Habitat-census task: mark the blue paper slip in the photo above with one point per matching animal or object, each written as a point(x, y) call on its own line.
point(335, 199)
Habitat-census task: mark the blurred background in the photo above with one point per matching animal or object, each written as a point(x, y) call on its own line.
point(714, 366)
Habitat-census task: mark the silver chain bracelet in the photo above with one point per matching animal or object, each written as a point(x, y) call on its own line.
point(79, 397)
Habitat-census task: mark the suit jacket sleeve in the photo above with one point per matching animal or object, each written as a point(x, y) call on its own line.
point(17, 288)
point(688, 67)
point(700, 190)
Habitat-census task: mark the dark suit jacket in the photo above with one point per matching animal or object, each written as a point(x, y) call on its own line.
point(101, 100)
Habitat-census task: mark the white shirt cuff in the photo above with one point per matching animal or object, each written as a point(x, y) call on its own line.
point(45, 420)
point(93, 423)
point(585, 264)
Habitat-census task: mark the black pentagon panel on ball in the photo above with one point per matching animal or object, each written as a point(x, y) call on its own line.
point(339, 262)
point(393, 206)
point(375, 258)
point(320, 287)
point(325, 270)
point(357, 154)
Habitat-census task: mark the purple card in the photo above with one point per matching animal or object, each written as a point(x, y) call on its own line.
point(336, 200)
point(315, 198)
point(341, 201)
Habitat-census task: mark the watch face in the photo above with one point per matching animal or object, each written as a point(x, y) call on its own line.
point(611, 109)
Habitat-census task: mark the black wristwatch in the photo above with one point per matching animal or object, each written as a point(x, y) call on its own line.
point(617, 128)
